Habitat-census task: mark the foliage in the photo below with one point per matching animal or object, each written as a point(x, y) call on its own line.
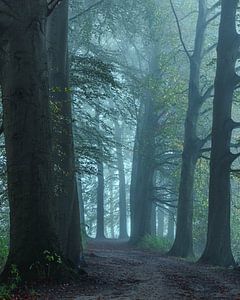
point(7, 290)
point(155, 243)
point(48, 265)
point(3, 250)
point(200, 206)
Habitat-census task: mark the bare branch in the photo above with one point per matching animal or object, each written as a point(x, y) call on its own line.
point(86, 10)
point(204, 157)
point(207, 110)
point(189, 14)
point(180, 31)
point(204, 150)
point(234, 156)
point(206, 139)
point(213, 18)
point(207, 93)
point(235, 171)
point(216, 5)
point(209, 49)
point(233, 124)
point(52, 5)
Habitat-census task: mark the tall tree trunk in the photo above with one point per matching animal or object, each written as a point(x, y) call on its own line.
point(160, 219)
point(81, 205)
point(68, 219)
point(170, 228)
point(27, 129)
point(111, 207)
point(133, 184)
point(100, 202)
point(218, 247)
point(122, 184)
point(153, 220)
point(100, 185)
point(142, 173)
point(183, 243)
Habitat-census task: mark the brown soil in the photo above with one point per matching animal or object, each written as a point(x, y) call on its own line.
point(116, 271)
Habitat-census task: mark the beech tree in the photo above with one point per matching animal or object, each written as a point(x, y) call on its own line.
point(67, 212)
point(28, 136)
point(122, 182)
point(183, 243)
point(218, 247)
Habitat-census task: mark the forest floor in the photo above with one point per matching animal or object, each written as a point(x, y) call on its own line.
point(116, 271)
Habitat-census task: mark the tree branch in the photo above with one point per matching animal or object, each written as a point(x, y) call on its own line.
point(52, 5)
point(207, 93)
point(204, 157)
point(205, 140)
point(235, 171)
point(205, 150)
point(86, 10)
point(180, 31)
point(213, 18)
point(233, 124)
point(209, 49)
point(216, 5)
point(234, 156)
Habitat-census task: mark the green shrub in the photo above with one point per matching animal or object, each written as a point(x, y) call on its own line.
point(7, 290)
point(3, 250)
point(155, 243)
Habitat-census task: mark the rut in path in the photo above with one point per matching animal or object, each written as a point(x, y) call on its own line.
point(118, 272)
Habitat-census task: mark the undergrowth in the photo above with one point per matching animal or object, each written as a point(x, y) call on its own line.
point(3, 250)
point(155, 243)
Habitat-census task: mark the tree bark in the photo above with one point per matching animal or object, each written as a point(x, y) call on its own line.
point(183, 243)
point(68, 221)
point(171, 222)
point(218, 248)
point(153, 220)
point(100, 202)
point(81, 205)
point(27, 130)
point(160, 219)
point(122, 184)
point(142, 173)
point(111, 206)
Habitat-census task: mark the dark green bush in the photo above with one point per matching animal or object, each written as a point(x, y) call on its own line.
point(155, 243)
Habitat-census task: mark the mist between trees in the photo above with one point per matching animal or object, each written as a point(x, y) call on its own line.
point(120, 120)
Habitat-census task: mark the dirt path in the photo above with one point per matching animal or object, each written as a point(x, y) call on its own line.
point(116, 272)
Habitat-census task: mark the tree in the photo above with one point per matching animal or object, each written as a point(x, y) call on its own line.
point(100, 187)
point(218, 247)
point(160, 221)
point(65, 187)
point(142, 173)
point(183, 243)
point(122, 186)
point(27, 130)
